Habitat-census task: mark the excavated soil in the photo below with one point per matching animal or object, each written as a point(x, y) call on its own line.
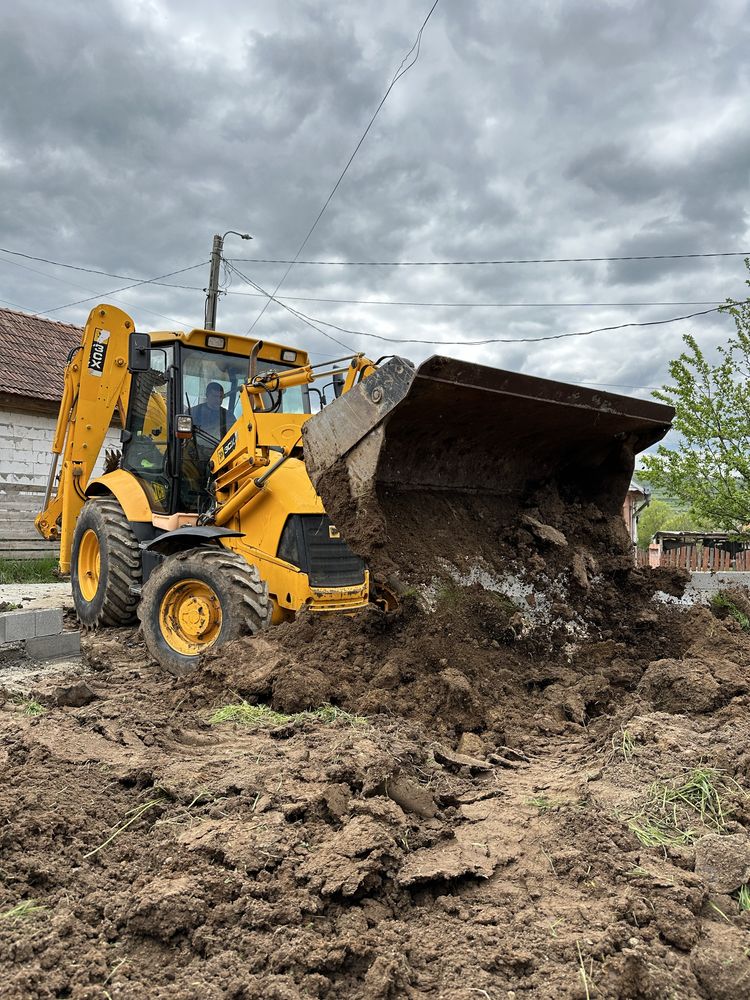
point(471, 837)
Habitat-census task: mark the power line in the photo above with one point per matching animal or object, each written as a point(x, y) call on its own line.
point(510, 340)
point(73, 284)
point(474, 263)
point(123, 288)
point(305, 319)
point(72, 267)
point(368, 302)
point(482, 305)
point(402, 69)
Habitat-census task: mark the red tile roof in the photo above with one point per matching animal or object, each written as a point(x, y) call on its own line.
point(33, 352)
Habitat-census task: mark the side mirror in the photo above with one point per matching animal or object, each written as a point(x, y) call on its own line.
point(139, 352)
point(338, 384)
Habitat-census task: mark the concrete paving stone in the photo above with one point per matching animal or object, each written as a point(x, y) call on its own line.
point(51, 647)
point(49, 621)
point(17, 625)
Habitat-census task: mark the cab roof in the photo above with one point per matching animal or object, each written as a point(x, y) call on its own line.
point(232, 344)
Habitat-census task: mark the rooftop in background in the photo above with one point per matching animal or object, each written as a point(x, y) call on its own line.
point(33, 353)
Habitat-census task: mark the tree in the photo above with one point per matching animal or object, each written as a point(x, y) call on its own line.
point(709, 469)
point(662, 516)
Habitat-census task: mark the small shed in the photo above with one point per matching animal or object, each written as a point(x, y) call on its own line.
point(33, 354)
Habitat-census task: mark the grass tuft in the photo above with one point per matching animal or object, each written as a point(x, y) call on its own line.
point(666, 819)
point(701, 792)
point(623, 745)
point(722, 602)
point(23, 911)
point(743, 897)
point(29, 571)
point(28, 705)
point(262, 717)
point(659, 833)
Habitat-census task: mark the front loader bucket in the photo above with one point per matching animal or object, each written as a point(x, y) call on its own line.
point(465, 430)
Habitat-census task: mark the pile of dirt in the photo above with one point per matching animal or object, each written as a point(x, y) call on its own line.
point(517, 632)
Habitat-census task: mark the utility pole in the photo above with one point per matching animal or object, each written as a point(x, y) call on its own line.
point(212, 292)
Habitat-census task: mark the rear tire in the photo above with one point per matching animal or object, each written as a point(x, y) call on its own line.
point(198, 600)
point(105, 563)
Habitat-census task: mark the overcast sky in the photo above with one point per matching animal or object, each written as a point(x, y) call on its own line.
point(133, 130)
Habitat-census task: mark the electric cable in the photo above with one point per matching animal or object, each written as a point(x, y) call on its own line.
point(475, 263)
point(402, 69)
point(73, 284)
point(227, 290)
point(509, 340)
point(305, 319)
point(123, 288)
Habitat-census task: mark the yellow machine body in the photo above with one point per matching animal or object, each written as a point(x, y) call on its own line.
point(256, 516)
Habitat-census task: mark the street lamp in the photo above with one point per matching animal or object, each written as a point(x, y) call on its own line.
point(212, 292)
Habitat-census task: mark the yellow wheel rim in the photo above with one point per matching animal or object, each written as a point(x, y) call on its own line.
point(89, 565)
point(190, 617)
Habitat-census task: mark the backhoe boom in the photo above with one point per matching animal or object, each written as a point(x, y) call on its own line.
point(96, 382)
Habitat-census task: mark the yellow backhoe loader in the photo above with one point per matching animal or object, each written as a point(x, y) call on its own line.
point(208, 525)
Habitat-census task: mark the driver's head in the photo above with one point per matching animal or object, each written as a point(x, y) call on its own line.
point(214, 395)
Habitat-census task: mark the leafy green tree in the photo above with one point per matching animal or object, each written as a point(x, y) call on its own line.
point(709, 469)
point(662, 516)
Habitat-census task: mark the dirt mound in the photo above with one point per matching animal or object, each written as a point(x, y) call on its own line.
point(515, 639)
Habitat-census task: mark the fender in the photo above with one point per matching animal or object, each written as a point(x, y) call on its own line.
point(187, 538)
point(126, 490)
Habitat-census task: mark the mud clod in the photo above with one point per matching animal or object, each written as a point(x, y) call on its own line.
point(723, 862)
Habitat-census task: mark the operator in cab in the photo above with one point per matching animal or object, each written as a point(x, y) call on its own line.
point(210, 416)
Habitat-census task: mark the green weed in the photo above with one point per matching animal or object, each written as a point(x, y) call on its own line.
point(262, 717)
point(29, 571)
point(544, 804)
point(665, 821)
point(743, 897)
point(699, 792)
point(657, 833)
point(623, 745)
point(22, 911)
point(28, 705)
point(722, 602)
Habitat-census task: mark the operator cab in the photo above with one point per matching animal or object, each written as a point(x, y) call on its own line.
point(198, 374)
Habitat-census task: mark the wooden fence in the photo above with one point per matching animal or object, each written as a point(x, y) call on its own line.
point(703, 558)
point(19, 539)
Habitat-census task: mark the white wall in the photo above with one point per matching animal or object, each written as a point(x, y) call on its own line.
point(25, 458)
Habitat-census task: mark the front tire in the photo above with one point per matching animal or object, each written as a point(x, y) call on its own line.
point(105, 564)
point(197, 600)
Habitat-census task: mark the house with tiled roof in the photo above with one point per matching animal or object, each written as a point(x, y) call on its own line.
point(33, 354)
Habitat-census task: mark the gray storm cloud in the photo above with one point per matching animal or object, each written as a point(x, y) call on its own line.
point(129, 134)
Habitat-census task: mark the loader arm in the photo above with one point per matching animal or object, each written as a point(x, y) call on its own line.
point(97, 381)
point(244, 460)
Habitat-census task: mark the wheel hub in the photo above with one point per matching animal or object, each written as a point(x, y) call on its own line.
point(190, 616)
point(89, 565)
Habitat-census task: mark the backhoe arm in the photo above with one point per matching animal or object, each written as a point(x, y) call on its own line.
point(96, 381)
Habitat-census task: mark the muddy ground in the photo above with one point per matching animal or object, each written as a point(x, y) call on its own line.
point(473, 821)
